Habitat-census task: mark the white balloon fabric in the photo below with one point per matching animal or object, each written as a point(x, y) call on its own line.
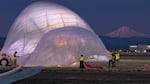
point(64, 46)
point(34, 22)
point(47, 34)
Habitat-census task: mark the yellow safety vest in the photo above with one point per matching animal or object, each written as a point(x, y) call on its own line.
point(81, 58)
point(15, 57)
point(117, 56)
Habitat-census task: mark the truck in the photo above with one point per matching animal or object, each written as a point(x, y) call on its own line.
point(6, 60)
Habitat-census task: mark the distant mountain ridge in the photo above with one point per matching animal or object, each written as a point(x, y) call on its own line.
point(110, 43)
point(123, 43)
point(126, 32)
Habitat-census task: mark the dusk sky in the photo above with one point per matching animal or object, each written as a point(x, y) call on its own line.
point(103, 16)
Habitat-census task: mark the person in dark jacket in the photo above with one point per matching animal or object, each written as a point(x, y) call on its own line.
point(112, 61)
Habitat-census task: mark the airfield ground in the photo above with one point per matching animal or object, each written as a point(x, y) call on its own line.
point(130, 70)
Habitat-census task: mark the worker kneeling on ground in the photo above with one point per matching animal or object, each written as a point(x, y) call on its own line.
point(112, 61)
point(115, 58)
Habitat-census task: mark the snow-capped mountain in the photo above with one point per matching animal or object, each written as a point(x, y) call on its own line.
point(125, 32)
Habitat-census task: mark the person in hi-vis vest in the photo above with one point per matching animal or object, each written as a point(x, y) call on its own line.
point(81, 61)
point(15, 57)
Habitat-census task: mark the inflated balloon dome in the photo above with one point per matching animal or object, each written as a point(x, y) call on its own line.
point(49, 34)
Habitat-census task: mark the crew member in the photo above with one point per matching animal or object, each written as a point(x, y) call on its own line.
point(112, 61)
point(81, 61)
point(15, 57)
